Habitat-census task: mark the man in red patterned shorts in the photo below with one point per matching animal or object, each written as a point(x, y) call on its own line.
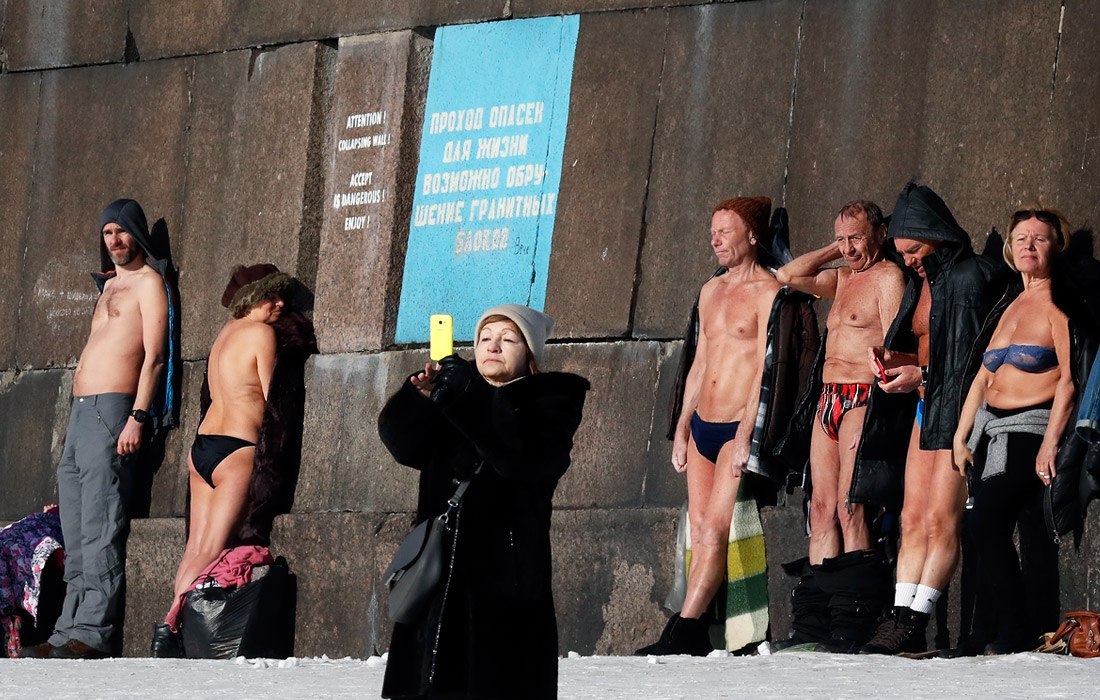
point(867, 292)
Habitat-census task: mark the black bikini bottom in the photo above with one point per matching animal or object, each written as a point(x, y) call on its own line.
point(208, 451)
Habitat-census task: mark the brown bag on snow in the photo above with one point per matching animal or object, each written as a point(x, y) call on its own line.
point(1078, 635)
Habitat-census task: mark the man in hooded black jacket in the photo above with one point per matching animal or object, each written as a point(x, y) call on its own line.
point(954, 290)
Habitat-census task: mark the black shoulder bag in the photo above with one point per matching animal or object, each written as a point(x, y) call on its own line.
point(417, 567)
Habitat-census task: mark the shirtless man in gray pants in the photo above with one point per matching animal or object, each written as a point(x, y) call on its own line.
point(113, 388)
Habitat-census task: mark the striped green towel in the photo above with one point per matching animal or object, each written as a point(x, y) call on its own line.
point(743, 601)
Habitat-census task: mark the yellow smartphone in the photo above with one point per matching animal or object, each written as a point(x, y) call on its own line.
point(442, 336)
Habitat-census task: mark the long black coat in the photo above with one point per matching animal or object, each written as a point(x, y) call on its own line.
point(491, 631)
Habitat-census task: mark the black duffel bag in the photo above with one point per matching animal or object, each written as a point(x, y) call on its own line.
point(255, 620)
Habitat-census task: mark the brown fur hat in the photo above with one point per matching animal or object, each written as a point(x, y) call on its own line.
point(251, 285)
point(754, 211)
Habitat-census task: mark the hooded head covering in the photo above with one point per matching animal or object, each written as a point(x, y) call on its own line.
point(252, 284)
point(534, 325)
point(920, 213)
point(131, 217)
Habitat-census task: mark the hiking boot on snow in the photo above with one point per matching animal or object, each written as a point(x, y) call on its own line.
point(902, 631)
point(682, 635)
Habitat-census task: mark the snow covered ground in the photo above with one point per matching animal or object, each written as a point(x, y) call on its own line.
point(812, 675)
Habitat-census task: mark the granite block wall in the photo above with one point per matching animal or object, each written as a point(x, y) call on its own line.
point(225, 118)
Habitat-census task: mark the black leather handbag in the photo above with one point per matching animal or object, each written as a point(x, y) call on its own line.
point(417, 567)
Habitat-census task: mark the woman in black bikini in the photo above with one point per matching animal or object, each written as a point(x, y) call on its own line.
point(1013, 420)
point(238, 371)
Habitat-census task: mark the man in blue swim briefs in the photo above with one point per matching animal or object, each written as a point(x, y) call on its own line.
point(721, 395)
point(866, 290)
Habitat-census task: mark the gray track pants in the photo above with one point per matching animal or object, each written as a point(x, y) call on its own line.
point(94, 485)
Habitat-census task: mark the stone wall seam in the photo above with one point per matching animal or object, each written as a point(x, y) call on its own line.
point(1057, 51)
point(3, 24)
point(417, 71)
point(27, 224)
point(645, 197)
point(794, 96)
point(317, 154)
point(191, 70)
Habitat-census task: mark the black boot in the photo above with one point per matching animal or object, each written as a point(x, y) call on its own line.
point(166, 643)
point(809, 611)
point(901, 630)
point(857, 583)
point(682, 635)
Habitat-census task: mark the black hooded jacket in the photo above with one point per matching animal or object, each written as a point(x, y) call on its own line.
point(1075, 290)
point(965, 287)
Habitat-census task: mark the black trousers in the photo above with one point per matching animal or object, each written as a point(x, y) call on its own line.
point(1016, 594)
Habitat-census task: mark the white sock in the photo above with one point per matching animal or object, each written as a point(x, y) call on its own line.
point(925, 600)
point(904, 594)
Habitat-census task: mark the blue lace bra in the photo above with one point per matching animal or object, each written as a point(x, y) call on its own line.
point(1027, 358)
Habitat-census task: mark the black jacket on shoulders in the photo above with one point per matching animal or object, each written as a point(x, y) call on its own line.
point(1075, 290)
point(491, 630)
point(965, 287)
point(879, 475)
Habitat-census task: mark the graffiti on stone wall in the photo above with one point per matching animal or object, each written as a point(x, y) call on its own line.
point(362, 191)
point(489, 171)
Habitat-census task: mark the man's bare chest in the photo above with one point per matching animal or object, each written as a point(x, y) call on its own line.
point(116, 304)
point(856, 304)
point(733, 317)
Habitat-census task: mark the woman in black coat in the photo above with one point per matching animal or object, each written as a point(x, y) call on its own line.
point(490, 630)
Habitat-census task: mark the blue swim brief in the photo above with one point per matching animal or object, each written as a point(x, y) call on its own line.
point(709, 437)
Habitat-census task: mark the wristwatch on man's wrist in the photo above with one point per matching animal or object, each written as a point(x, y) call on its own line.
point(924, 375)
point(139, 415)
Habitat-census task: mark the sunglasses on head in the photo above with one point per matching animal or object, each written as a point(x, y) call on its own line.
point(1048, 218)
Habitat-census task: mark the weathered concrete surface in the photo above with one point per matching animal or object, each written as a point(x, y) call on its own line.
point(784, 540)
point(344, 464)
point(610, 449)
point(861, 130)
point(54, 33)
point(174, 27)
point(362, 247)
point(19, 114)
point(34, 414)
point(721, 132)
point(601, 608)
point(348, 468)
point(612, 571)
point(152, 554)
point(537, 8)
point(664, 486)
point(169, 482)
point(101, 133)
point(605, 172)
point(1068, 173)
point(339, 559)
point(251, 164)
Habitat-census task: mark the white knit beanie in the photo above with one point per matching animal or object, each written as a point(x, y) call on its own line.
point(534, 325)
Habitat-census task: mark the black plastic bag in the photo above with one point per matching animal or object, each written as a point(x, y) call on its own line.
point(254, 620)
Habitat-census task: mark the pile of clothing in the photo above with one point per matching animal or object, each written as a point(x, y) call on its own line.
point(27, 547)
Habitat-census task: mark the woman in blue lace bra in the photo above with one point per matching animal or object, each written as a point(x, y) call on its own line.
point(1009, 431)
